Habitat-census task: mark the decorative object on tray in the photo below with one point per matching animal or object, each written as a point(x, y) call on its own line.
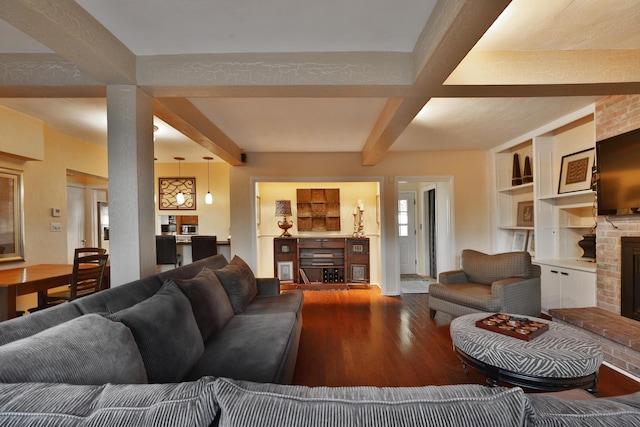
point(283, 208)
point(576, 171)
point(516, 176)
point(514, 326)
point(527, 175)
point(525, 214)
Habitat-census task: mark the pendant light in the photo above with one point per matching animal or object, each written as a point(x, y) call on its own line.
point(208, 199)
point(180, 195)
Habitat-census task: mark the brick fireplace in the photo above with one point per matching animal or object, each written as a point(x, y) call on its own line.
point(618, 335)
point(614, 115)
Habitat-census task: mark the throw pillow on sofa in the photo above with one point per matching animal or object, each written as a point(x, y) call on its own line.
point(209, 301)
point(61, 354)
point(239, 282)
point(255, 404)
point(166, 332)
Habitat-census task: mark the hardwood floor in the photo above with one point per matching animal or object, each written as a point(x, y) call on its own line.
point(360, 337)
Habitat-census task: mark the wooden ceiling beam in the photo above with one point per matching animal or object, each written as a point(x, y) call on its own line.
point(183, 116)
point(451, 32)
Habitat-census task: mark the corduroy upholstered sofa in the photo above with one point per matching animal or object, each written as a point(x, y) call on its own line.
point(85, 363)
point(506, 282)
point(208, 318)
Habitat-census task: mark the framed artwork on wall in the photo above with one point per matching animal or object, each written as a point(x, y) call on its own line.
point(169, 189)
point(11, 216)
point(575, 171)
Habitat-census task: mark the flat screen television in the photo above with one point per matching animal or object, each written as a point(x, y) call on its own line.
point(618, 174)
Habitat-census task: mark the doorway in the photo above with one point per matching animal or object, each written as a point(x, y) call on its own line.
point(407, 233)
point(429, 230)
point(75, 219)
point(434, 224)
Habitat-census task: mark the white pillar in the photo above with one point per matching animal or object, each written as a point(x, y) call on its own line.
point(131, 208)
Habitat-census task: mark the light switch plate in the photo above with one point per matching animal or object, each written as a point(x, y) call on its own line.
point(56, 212)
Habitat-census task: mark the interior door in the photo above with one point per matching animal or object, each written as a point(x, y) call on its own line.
point(407, 232)
point(431, 265)
point(75, 220)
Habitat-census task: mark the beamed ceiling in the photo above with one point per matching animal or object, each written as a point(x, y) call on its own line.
point(367, 76)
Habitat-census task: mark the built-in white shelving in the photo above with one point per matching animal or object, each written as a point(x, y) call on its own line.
point(560, 219)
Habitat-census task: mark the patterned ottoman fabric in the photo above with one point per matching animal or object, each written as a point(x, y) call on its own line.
point(560, 352)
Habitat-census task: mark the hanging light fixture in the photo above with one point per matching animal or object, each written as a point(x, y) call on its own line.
point(180, 195)
point(208, 199)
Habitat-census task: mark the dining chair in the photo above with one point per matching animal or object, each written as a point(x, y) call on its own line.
point(86, 278)
point(167, 251)
point(203, 247)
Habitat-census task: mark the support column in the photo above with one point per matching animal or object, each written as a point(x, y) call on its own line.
point(131, 208)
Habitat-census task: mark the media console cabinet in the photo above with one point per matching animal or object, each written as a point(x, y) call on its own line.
point(321, 261)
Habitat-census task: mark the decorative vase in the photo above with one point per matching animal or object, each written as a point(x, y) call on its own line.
point(588, 245)
point(527, 176)
point(516, 177)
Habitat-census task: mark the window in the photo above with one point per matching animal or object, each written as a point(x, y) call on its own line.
point(403, 218)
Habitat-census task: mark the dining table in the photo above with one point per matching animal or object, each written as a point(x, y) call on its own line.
point(38, 278)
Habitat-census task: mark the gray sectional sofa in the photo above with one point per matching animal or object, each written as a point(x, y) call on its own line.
point(207, 344)
point(208, 318)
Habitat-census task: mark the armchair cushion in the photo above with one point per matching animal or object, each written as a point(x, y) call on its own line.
point(472, 295)
point(486, 269)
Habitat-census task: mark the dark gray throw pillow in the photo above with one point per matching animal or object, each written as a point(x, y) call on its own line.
point(209, 301)
point(166, 332)
point(239, 283)
point(86, 350)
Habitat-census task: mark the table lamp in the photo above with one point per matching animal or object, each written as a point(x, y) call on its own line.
point(283, 208)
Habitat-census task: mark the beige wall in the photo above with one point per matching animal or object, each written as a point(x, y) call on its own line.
point(45, 187)
point(213, 219)
point(471, 200)
point(350, 193)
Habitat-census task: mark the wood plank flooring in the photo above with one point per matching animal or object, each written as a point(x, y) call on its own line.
point(360, 337)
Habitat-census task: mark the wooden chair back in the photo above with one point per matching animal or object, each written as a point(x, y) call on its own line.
point(88, 274)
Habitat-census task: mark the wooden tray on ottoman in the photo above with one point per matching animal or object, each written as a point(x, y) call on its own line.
point(513, 326)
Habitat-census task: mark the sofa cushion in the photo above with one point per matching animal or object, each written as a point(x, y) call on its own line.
point(286, 302)
point(251, 347)
point(486, 269)
point(61, 354)
point(64, 405)
point(209, 301)
point(166, 332)
point(25, 326)
point(239, 282)
point(252, 404)
point(549, 410)
point(472, 295)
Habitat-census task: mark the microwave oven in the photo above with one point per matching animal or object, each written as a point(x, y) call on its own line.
point(189, 229)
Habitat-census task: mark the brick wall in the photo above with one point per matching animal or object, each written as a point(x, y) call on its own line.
point(614, 115)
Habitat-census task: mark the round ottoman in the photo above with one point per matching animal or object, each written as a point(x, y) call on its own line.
point(558, 359)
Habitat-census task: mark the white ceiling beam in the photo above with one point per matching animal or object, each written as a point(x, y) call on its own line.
point(452, 30)
point(70, 31)
point(563, 67)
